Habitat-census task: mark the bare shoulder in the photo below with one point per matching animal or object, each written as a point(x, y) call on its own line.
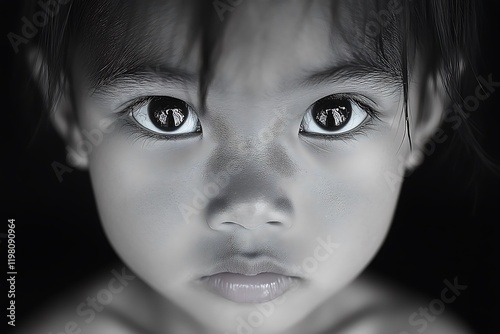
point(112, 302)
point(387, 308)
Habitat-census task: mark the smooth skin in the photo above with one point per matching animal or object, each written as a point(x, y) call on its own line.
point(285, 192)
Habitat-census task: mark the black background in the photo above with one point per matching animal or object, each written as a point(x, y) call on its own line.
point(442, 228)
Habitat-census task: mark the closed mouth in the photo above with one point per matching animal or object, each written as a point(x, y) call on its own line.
point(249, 281)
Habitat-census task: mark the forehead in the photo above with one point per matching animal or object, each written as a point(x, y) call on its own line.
point(262, 41)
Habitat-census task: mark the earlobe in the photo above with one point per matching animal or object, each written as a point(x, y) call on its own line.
point(58, 103)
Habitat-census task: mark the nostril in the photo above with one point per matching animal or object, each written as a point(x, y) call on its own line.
point(275, 223)
point(229, 223)
point(221, 213)
point(252, 226)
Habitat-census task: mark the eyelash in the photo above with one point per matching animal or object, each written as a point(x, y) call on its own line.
point(345, 137)
point(142, 134)
point(360, 130)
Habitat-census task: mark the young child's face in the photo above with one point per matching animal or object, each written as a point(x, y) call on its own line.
point(257, 189)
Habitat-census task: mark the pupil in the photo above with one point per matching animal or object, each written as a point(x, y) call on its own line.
point(332, 114)
point(167, 113)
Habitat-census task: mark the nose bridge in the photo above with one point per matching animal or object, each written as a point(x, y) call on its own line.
point(254, 194)
point(262, 152)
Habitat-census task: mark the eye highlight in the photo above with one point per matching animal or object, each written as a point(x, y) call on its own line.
point(164, 116)
point(335, 116)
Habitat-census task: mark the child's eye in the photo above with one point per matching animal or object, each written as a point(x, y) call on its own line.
point(334, 115)
point(165, 115)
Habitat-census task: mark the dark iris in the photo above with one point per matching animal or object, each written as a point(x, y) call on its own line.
point(332, 113)
point(167, 113)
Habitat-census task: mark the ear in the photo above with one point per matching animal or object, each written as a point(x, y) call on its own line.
point(430, 101)
point(58, 102)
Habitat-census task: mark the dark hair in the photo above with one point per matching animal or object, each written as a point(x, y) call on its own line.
point(445, 31)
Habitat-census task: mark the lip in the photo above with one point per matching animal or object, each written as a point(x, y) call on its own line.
point(241, 288)
point(239, 264)
point(246, 281)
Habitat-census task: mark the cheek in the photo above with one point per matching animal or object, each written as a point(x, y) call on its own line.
point(350, 195)
point(139, 194)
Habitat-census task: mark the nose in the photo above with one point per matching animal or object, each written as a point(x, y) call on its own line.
point(256, 196)
point(247, 209)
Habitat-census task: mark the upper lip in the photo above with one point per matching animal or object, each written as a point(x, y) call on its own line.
point(250, 267)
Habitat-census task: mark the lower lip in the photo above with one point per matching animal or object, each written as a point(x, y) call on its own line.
point(249, 289)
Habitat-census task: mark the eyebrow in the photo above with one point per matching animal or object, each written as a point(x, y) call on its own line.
point(158, 74)
point(356, 71)
point(359, 70)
